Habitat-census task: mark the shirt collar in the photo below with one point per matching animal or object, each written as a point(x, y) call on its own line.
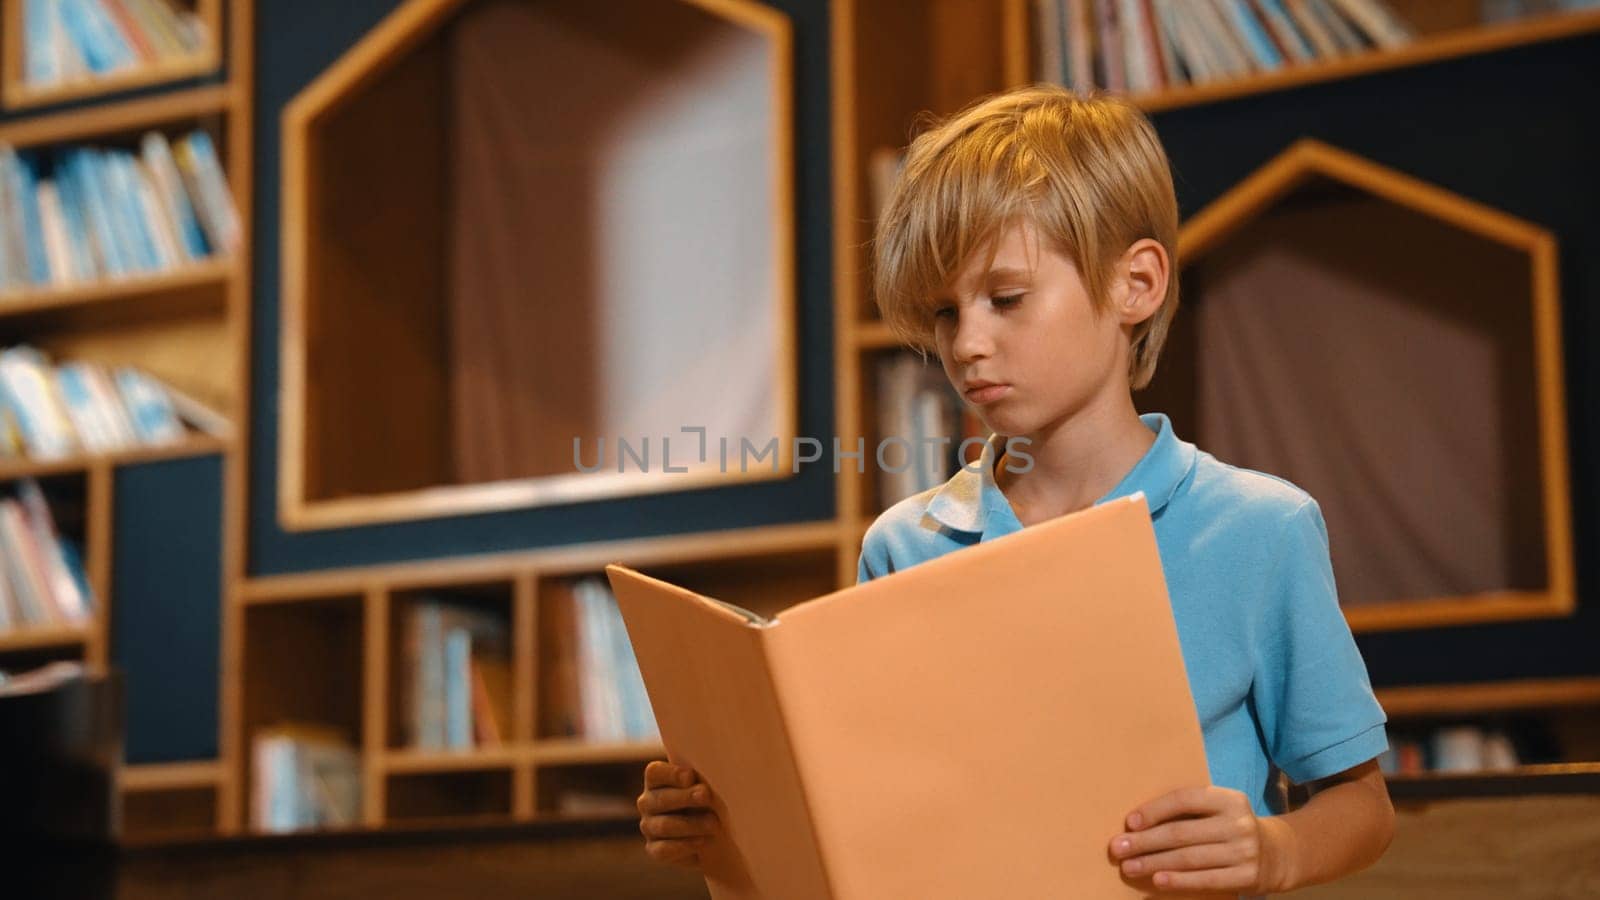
point(972, 502)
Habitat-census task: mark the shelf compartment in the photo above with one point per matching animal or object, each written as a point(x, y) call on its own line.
point(455, 795)
point(486, 610)
point(19, 94)
point(500, 421)
point(169, 813)
point(1315, 286)
point(605, 790)
point(302, 664)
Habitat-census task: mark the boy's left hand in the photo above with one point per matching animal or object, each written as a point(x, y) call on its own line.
point(1203, 839)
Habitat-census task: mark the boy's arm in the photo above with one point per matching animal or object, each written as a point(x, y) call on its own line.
point(1344, 827)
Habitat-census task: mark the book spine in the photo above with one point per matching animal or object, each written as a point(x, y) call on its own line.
point(40, 66)
point(1255, 36)
point(458, 688)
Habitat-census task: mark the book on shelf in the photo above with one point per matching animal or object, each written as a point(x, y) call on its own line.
point(919, 427)
point(52, 411)
point(42, 579)
point(78, 214)
point(306, 775)
point(851, 741)
point(1145, 46)
point(590, 686)
point(64, 41)
point(455, 676)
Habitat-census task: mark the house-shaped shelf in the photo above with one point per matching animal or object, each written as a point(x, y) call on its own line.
point(1394, 349)
point(510, 225)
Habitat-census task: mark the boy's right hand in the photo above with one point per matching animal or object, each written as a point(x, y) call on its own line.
point(675, 814)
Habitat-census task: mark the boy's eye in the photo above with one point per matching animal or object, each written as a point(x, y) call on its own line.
point(1006, 302)
point(945, 312)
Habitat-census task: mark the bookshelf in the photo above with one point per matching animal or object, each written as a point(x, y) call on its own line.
point(325, 648)
point(18, 94)
point(1445, 29)
point(189, 326)
point(1481, 338)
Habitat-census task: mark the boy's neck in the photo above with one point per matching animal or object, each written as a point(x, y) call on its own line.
point(1076, 461)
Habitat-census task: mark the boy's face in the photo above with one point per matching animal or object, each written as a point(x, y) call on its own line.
point(1024, 321)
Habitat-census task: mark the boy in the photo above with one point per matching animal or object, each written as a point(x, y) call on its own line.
point(1031, 241)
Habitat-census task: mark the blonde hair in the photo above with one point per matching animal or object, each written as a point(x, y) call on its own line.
point(1087, 171)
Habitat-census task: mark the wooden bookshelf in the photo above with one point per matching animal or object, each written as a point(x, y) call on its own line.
point(1446, 29)
point(18, 94)
point(306, 630)
point(322, 646)
point(189, 327)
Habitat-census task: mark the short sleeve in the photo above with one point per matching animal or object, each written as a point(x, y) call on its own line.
point(1317, 711)
point(872, 562)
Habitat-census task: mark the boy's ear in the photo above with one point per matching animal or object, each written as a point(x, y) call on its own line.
point(1144, 273)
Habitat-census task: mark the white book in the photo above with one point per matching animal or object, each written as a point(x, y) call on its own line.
point(1378, 22)
point(57, 246)
point(156, 221)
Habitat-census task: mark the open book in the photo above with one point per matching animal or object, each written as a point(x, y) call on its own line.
point(977, 725)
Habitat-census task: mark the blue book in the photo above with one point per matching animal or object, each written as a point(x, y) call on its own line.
point(136, 232)
point(458, 688)
point(1275, 8)
point(39, 49)
point(169, 185)
point(429, 702)
point(80, 246)
point(26, 182)
point(102, 43)
point(81, 167)
point(77, 19)
point(1254, 34)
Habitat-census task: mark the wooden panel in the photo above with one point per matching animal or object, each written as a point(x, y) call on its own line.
point(456, 795)
point(1500, 849)
point(506, 864)
point(169, 813)
point(376, 422)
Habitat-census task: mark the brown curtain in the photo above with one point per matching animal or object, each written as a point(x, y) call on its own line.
point(1383, 362)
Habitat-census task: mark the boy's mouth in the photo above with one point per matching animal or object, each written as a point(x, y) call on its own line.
point(981, 392)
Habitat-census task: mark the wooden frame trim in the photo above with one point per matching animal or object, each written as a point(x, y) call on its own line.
point(714, 546)
point(1309, 159)
point(1422, 701)
point(377, 52)
point(119, 118)
point(172, 776)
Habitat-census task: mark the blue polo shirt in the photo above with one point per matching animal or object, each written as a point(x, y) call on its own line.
point(1276, 676)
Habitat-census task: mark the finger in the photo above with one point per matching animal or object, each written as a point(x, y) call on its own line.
point(684, 825)
point(1233, 878)
point(1197, 801)
point(1186, 859)
point(666, 800)
point(661, 773)
point(680, 852)
point(1182, 833)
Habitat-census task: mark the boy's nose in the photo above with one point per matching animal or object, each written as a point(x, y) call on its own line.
point(972, 340)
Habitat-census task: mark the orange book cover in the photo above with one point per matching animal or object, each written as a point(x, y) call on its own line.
point(977, 725)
